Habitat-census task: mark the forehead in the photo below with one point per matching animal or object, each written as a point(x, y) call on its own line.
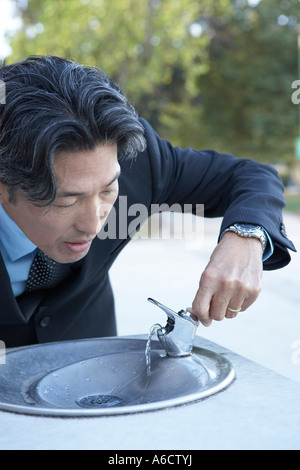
point(86, 167)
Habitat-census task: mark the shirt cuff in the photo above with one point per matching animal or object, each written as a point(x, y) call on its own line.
point(269, 250)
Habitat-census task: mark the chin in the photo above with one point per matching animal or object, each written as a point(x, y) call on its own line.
point(66, 258)
point(72, 259)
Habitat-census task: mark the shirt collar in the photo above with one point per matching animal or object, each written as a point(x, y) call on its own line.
point(12, 239)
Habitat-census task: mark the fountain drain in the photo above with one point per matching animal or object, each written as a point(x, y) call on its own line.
point(100, 401)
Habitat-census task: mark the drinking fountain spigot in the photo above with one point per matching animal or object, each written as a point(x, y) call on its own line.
point(177, 337)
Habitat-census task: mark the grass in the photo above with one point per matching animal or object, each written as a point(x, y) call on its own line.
point(293, 203)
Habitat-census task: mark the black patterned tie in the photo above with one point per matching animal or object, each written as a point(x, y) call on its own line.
point(45, 273)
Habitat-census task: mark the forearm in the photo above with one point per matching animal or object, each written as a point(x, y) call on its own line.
point(239, 190)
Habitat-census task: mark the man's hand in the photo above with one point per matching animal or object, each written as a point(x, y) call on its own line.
point(231, 280)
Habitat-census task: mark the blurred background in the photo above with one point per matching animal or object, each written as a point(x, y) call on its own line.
point(207, 74)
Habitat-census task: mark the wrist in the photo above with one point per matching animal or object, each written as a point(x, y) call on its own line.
point(248, 231)
point(243, 243)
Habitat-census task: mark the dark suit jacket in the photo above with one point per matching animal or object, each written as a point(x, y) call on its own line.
point(82, 306)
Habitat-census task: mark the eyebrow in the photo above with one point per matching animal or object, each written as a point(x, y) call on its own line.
point(77, 193)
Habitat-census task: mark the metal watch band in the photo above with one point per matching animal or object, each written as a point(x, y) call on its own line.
point(249, 231)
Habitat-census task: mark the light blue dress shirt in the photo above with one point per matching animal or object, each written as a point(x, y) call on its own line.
point(17, 252)
point(269, 250)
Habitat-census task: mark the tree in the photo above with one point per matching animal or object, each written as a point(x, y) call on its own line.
point(205, 74)
point(146, 46)
point(247, 106)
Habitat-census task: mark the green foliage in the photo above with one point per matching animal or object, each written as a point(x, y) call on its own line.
point(292, 203)
point(140, 44)
point(247, 92)
point(206, 74)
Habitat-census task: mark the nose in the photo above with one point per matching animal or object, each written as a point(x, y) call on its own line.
point(91, 217)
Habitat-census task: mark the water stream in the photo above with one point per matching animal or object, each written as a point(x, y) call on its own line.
point(152, 331)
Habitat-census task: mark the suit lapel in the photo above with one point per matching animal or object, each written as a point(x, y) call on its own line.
point(10, 311)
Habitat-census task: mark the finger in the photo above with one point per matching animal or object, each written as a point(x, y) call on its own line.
point(231, 314)
point(241, 304)
point(206, 321)
point(218, 307)
point(202, 300)
point(250, 298)
point(235, 306)
point(201, 305)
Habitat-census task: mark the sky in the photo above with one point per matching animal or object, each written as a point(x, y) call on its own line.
point(7, 23)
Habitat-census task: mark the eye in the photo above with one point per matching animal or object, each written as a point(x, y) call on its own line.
point(65, 206)
point(107, 192)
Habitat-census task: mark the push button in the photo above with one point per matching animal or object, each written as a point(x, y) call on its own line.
point(283, 230)
point(45, 322)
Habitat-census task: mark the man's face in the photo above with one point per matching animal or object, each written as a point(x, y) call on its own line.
point(87, 189)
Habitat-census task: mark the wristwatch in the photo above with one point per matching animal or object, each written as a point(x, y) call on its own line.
point(248, 231)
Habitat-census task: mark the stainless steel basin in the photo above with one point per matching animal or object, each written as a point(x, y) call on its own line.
point(106, 376)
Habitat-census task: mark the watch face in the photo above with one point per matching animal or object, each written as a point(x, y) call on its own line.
point(247, 227)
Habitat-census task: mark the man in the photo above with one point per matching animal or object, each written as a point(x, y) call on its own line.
point(70, 147)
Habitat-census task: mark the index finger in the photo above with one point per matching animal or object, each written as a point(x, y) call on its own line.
point(201, 305)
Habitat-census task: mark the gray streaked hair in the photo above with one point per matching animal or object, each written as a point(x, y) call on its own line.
point(55, 105)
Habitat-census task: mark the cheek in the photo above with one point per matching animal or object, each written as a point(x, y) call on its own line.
point(107, 204)
point(110, 206)
point(50, 228)
point(31, 224)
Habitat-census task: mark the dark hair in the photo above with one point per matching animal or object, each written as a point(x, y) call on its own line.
point(56, 105)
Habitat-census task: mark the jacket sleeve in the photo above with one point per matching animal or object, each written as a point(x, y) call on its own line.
point(239, 190)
